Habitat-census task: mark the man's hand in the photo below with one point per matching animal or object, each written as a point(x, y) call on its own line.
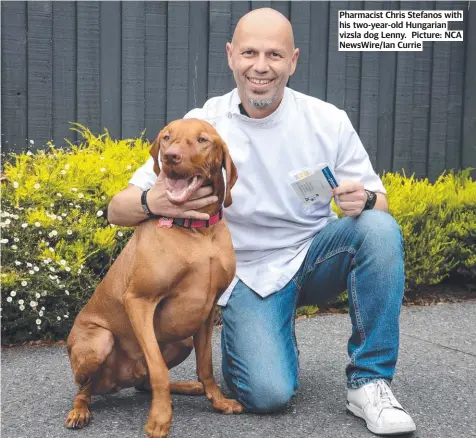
point(351, 197)
point(159, 203)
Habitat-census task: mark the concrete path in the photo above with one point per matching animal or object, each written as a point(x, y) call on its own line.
point(435, 382)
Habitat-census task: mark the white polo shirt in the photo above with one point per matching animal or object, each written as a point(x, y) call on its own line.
point(270, 229)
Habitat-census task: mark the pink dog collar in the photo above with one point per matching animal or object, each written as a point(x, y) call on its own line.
point(167, 222)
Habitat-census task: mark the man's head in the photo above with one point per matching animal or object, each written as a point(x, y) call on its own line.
point(262, 56)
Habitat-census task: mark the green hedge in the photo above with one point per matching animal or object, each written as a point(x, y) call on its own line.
point(57, 244)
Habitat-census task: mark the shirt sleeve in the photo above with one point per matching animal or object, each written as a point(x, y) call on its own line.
point(144, 177)
point(353, 162)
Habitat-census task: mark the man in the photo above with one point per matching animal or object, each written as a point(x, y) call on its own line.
point(288, 253)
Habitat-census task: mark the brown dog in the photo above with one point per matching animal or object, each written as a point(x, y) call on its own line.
point(158, 299)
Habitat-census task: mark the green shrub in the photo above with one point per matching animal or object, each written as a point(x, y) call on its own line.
point(57, 244)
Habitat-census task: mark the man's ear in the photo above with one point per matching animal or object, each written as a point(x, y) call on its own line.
point(154, 152)
point(231, 172)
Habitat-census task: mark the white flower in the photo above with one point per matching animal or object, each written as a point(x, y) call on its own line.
point(103, 198)
point(40, 313)
point(59, 195)
point(33, 304)
point(60, 218)
point(52, 269)
point(13, 293)
point(99, 213)
point(9, 299)
point(120, 233)
point(42, 308)
point(28, 265)
point(74, 189)
point(102, 169)
point(15, 184)
point(37, 295)
point(38, 321)
point(63, 262)
point(16, 239)
point(21, 302)
point(36, 268)
point(24, 283)
point(64, 214)
point(79, 271)
point(17, 263)
point(101, 158)
point(43, 294)
point(129, 167)
point(24, 225)
point(67, 269)
point(51, 249)
point(58, 318)
point(8, 221)
point(14, 247)
point(4, 241)
point(66, 292)
point(67, 166)
point(69, 232)
point(66, 316)
point(31, 271)
point(32, 142)
point(22, 307)
point(29, 153)
point(36, 186)
point(80, 195)
point(53, 233)
point(53, 216)
point(63, 172)
point(37, 224)
point(52, 204)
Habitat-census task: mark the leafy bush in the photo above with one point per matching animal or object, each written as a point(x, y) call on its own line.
point(57, 244)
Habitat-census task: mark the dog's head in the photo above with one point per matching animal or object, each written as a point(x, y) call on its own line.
point(192, 154)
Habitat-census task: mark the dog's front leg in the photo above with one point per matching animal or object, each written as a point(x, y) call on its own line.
point(141, 314)
point(203, 350)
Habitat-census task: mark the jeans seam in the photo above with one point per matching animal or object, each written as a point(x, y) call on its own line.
point(293, 328)
point(358, 320)
point(336, 251)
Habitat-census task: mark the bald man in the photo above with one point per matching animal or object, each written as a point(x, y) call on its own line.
point(291, 253)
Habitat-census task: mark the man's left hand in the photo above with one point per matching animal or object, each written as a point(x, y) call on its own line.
point(351, 197)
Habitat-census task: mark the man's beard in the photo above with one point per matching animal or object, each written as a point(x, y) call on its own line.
point(261, 103)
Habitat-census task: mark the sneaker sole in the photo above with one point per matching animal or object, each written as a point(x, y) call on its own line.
point(396, 430)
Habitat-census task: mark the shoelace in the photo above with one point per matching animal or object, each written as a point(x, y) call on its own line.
point(384, 397)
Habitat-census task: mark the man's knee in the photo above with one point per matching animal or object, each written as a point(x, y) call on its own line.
point(264, 397)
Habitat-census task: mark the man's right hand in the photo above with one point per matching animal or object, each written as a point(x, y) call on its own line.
point(160, 205)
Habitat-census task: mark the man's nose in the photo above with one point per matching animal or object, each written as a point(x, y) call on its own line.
point(173, 155)
point(261, 64)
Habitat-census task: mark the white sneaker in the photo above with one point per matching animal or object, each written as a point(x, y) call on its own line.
point(375, 403)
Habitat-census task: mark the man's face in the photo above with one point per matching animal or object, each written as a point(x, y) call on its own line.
point(262, 58)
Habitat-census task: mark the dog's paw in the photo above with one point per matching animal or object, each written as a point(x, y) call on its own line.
point(227, 406)
point(78, 418)
point(158, 424)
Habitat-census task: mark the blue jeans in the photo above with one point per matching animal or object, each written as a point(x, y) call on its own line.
point(363, 255)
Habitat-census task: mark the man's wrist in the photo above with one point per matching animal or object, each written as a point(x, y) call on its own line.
point(145, 205)
point(371, 200)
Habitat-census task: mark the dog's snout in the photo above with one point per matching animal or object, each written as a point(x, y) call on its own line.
point(173, 156)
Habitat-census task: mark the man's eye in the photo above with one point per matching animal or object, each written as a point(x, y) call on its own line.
point(202, 140)
point(166, 137)
point(249, 52)
point(276, 55)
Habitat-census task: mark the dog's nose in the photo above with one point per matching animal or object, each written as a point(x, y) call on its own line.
point(173, 156)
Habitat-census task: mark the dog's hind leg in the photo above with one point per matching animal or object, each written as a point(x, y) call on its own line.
point(174, 354)
point(88, 348)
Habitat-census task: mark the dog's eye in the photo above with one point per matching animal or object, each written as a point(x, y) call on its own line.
point(166, 137)
point(202, 139)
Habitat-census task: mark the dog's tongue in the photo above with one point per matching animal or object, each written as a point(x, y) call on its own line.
point(180, 190)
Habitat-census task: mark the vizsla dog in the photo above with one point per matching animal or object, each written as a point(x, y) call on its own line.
point(157, 300)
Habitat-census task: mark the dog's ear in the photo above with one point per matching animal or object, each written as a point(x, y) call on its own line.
point(154, 152)
point(231, 172)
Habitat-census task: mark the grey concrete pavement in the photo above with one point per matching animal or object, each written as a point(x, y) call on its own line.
point(435, 381)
